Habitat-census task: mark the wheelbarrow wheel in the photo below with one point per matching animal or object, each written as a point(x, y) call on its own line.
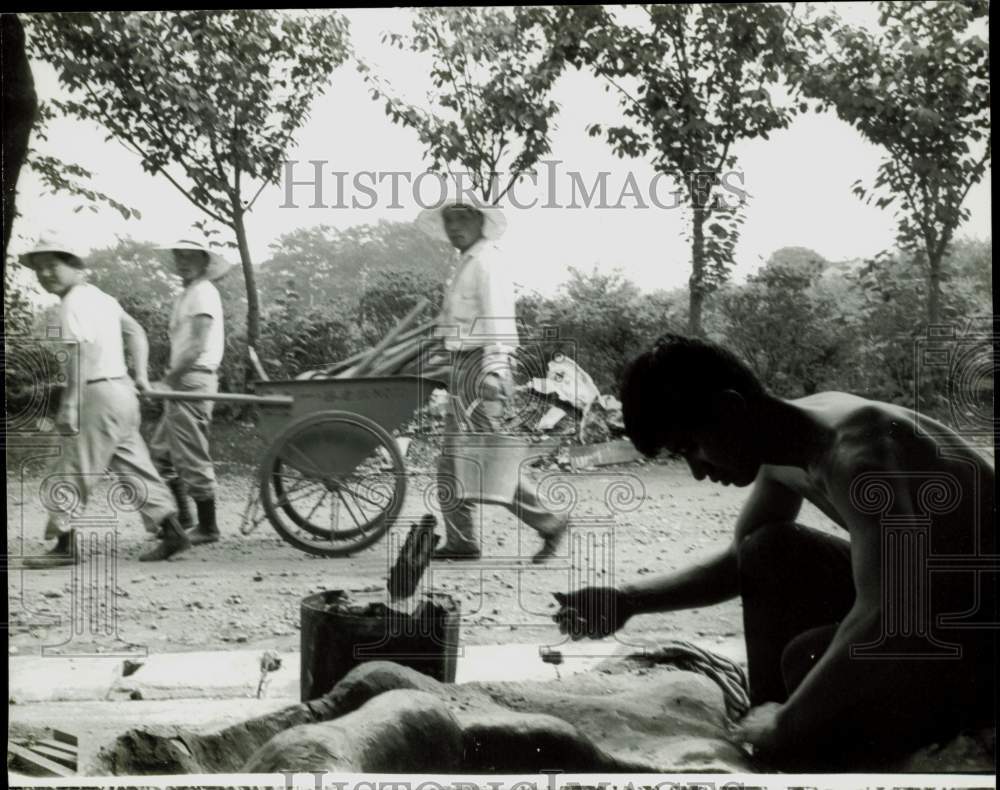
point(332, 483)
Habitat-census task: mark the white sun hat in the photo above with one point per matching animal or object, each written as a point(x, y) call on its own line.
point(52, 241)
point(217, 265)
point(431, 220)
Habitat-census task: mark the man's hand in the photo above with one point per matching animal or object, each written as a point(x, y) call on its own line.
point(591, 612)
point(142, 384)
point(759, 728)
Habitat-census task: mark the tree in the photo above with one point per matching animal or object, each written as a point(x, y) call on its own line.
point(919, 87)
point(492, 72)
point(19, 107)
point(693, 80)
point(786, 324)
point(328, 264)
point(209, 99)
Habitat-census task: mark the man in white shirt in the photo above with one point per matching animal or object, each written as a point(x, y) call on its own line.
point(99, 408)
point(478, 325)
point(180, 445)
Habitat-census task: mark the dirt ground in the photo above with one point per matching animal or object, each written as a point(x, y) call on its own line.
point(245, 591)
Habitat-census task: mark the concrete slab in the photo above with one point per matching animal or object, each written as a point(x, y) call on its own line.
point(235, 674)
point(54, 679)
point(217, 674)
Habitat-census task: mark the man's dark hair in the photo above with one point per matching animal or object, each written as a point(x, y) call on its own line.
point(667, 388)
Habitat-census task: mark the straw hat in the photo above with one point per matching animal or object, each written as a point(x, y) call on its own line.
point(52, 241)
point(431, 220)
point(217, 265)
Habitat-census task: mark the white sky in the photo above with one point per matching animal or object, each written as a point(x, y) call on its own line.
point(799, 181)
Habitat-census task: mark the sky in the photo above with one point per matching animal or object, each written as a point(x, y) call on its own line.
point(798, 181)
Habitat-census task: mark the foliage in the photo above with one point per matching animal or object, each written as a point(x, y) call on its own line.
point(390, 295)
point(787, 325)
point(492, 72)
point(58, 175)
point(297, 338)
point(918, 86)
point(693, 80)
point(28, 364)
point(208, 99)
point(336, 265)
point(603, 321)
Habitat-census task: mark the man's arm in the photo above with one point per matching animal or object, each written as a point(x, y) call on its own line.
point(716, 579)
point(200, 326)
point(599, 612)
point(68, 417)
point(137, 346)
point(839, 681)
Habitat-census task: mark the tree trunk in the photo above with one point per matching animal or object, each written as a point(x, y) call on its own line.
point(933, 288)
point(696, 282)
point(20, 106)
point(250, 279)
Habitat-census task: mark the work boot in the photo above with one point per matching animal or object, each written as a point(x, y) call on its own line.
point(183, 511)
point(207, 530)
point(174, 541)
point(551, 545)
point(60, 555)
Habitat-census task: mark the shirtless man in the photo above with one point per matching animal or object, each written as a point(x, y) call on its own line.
point(842, 673)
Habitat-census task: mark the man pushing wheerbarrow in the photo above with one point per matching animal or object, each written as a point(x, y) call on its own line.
point(333, 479)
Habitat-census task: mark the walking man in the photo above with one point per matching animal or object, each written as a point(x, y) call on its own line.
point(478, 326)
point(99, 409)
point(197, 341)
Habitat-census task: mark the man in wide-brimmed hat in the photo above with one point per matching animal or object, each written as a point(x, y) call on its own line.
point(99, 408)
point(180, 445)
point(479, 328)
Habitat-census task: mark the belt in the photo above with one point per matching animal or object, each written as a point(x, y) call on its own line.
point(106, 378)
point(200, 370)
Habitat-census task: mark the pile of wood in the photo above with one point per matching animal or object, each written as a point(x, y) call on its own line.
point(409, 348)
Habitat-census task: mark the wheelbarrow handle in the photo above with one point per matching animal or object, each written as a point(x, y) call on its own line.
point(220, 397)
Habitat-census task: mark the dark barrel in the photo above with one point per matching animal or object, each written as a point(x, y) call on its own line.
point(337, 635)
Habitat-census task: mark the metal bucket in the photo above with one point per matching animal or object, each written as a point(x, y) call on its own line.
point(336, 636)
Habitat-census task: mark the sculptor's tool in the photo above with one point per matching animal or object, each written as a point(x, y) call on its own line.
point(551, 655)
point(413, 559)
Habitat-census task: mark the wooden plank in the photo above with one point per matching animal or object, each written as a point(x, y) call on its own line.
point(64, 737)
point(221, 397)
point(392, 363)
point(66, 748)
point(37, 761)
point(56, 755)
point(405, 323)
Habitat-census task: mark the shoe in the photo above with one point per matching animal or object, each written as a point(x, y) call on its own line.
point(207, 530)
point(183, 511)
point(551, 545)
point(60, 555)
point(448, 553)
point(175, 540)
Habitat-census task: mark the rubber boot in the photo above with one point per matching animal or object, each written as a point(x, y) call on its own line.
point(207, 530)
point(183, 511)
point(61, 554)
point(174, 541)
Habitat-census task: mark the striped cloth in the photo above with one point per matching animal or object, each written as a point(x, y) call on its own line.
point(727, 674)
